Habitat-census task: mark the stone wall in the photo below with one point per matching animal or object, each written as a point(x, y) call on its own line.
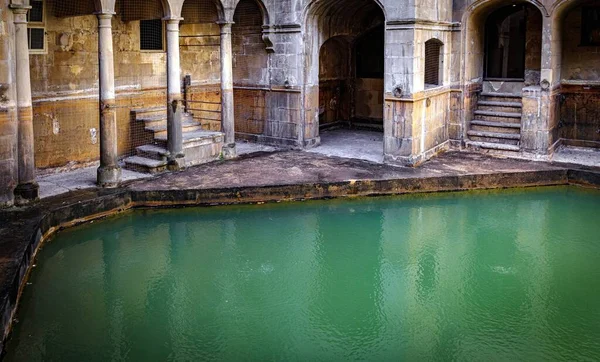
point(579, 63)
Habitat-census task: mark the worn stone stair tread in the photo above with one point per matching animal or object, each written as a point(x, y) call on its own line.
point(494, 146)
point(153, 149)
point(500, 104)
point(150, 109)
point(193, 136)
point(478, 122)
point(509, 136)
point(158, 117)
point(501, 95)
point(498, 114)
point(185, 123)
point(145, 162)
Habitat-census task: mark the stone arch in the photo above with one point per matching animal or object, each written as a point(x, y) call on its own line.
point(474, 19)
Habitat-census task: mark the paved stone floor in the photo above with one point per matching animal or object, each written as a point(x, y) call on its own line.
point(342, 155)
point(64, 180)
point(356, 144)
point(298, 167)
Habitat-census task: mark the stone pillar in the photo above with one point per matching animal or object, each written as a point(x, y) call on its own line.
point(227, 103)
point(174, 98)
point(109, 172)
point(27, 189)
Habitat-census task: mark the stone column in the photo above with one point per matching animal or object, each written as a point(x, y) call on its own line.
point(227, 103)
point(27, 189)
point(109, 172)
point(174, 103)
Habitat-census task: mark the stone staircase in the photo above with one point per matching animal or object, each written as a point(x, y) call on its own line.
point(496, 123)
point(199, 146)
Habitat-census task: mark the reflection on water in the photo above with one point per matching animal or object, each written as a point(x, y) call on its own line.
point(476, 276)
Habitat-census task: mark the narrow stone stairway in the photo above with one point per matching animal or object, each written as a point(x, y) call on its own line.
point(199, 146)
point(496, 124)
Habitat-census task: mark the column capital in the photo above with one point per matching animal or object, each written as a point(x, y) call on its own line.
point(19, 9)
point(105, 14)
point(172, 19)
point(20, 12)
point(225, 26)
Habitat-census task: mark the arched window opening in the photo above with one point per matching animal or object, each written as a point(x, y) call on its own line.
point(433, 63)
point(199, 12)
point(248, 14)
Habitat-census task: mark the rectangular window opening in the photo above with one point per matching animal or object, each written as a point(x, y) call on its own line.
point(36, 32)
point(151, 35)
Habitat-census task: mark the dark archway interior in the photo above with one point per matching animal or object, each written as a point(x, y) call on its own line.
point(351, 68)
point(513, 36)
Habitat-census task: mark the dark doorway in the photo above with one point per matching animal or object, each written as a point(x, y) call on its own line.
point(505, 43)
point(351, 80)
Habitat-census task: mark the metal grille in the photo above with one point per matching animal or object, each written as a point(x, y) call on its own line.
point(432, 62)
point(131, 10)
point(151, 34)
point(199, 12)
point(247, 14)
point(67, 8)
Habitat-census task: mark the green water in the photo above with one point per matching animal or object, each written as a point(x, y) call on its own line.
point(507, 275)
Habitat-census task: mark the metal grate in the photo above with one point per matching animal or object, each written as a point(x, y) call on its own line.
point(432, 62)
point(67, 8)
point(248, 14)
point(151, 34)
point(131, 10)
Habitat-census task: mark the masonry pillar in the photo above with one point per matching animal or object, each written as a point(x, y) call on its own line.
point(27, 189)
point(109, 172)
point(174, 98)
point(227, 103)
point(539, 121)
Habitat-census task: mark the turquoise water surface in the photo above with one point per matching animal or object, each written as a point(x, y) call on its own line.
point(500, 275)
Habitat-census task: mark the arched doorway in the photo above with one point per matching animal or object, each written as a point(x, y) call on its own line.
point(503, 55)
point(345, 75)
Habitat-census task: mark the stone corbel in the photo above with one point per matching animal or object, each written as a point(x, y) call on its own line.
point(266, 38)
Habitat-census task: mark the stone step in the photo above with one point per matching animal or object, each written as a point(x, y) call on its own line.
point(192, 139)
point(145, 165)
point(493, 146)
point(148, 112)
point(498, 114)
point(501, 95)
point(497, 106)
point(153, 152)
point(498, 135)
point(187, 126)
point(479, 122)
point(161, 120)
point(500, 104)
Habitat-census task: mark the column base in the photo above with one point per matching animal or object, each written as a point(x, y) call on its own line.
point(229, 152)
point(177, 163)
point(109, 176)
point(27, 193)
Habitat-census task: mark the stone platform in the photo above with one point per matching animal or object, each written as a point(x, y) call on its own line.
point(256, 178)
